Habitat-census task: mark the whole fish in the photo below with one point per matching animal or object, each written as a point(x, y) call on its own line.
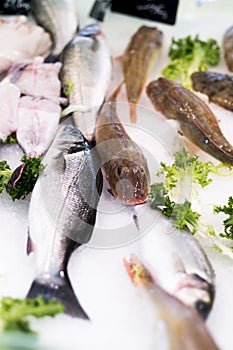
point(62, 215)
point(85, 74)
point(196, 120)
point(228, 48)
point(179, 264)
point(59, 18)
point(218, 87)
point(137, 60)
point(122, 160)
point(184, 329)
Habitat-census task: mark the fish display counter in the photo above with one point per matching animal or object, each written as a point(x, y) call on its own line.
point(116, 177)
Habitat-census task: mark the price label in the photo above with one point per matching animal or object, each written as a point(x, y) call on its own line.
point(160, 11)
point(14, 7)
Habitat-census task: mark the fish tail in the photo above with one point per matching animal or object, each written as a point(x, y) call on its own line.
point(116, 92)
point(61, 289)
point(133, 113)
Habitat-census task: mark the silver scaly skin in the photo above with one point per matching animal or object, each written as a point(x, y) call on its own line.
point(59, 18)
point(62, 214)
point(179, 263)
point(86, 72)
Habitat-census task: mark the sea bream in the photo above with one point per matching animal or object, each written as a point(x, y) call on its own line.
point(59, 18)
point(62, 215)
point(179, 264)
point(196, 120)
point(86, 74)
point(182, 328)
point(123, 162)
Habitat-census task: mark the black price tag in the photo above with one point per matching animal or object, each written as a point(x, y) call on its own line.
point(14, 7)
point(160, 11)
point(99, 9)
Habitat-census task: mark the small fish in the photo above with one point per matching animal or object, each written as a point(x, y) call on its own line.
point(218, 87)
point(228, 48)
point(62, 215)
point(86, 74)
point(197, 121)
point(180, 265)
point(59, 18)
point(184, 328)
point(122, 160)
point(137, 60)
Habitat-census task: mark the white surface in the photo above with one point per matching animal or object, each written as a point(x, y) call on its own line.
point(119, 320)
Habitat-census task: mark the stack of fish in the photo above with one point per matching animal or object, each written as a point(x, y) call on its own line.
point(63, 218)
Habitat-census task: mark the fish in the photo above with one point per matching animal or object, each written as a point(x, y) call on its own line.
point(59, 18)
point(37, 78)
point(228, 48)
point(218, 87)
point(122, 160)
point(184, 328)
point(19, 32)
point(38, 120)
point(196, 120)
point(62, 218)
point(138, 58)
point(9, 104)
point(177, 261)
point(85, 75)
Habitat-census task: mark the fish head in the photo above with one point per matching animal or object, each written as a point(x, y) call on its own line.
point(129, 181)
point(199, 295)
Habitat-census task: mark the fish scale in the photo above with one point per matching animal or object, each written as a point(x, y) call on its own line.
point(59, 18)
point(87, 66)
point(63, 218)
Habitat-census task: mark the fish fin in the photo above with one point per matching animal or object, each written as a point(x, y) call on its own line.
point(30, 244)
point(61, 289)
point(180, 132)
point(133, 113)
point(51, 58)
point(75, 108)
point(110, 191)
point(99, 182)
point(118, 58)
point(116, 92)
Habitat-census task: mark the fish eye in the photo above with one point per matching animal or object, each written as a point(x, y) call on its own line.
point(142, 170)
point(78, 147)
point(202, 308)
point(119, 170)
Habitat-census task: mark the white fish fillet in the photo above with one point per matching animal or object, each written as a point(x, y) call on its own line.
point(37, 79)
point(37, 124)
point(21, 39)
point(9, 102)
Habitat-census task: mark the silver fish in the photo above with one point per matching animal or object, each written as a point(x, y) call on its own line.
point(59, 18)
point(62, 215)
point(180, 265)
point(184, 329)
point(86, 74)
